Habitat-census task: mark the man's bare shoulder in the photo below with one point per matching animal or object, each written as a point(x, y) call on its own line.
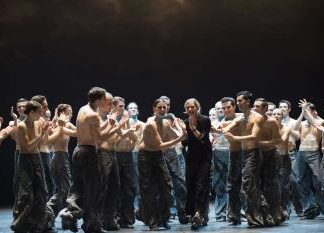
point(257, 116)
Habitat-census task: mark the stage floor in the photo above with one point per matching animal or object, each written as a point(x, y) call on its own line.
point(294, 225)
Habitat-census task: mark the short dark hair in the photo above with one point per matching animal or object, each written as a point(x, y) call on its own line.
point(285, 102)
point(61, 108)
point(96, 93)
point(118, 99)
point(228, 99)
point(38, 98)
point(246, 95)
point(264, 102)
point(32, 106)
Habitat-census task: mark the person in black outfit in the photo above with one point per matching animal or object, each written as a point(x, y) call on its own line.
point(199, 163)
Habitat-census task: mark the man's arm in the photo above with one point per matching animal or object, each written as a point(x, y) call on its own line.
point(251, 137)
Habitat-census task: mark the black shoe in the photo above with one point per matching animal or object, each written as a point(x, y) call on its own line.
point(183, 219)
point(196, 221)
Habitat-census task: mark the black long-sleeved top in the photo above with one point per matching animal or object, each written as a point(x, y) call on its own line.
point(201, 146)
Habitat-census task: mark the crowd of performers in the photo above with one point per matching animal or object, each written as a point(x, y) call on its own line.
point(123, 168)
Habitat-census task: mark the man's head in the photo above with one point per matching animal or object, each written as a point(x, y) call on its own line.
point(119, 104)
point(20, 106)
point(159, 107)
point(271, 107)
point(65, 109)
point(228, 106)
point(167, 100)
point(42, 100)
point(244, 100)
point(219, 110)
point(192, 106)
point(277, 113)
point(260, 106)
point(212, 114)
point(285, 107)
point(33, 110)
point(132, 108)
point(96, 96)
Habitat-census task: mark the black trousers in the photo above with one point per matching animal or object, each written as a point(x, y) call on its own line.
point(284, 178)
point(234, 184)
point(85, 197)
point(198, 184)
point(46, 161)
point(270, 183)
point(31, 211)
point(110, 187)
point(60, 168)
point(155, 187)
point(256, 204)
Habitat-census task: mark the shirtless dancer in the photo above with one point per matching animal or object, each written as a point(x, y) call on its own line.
point(31, 215)
point(132, 109)
point(108, 165)
point(45, 146)
point(125, 144)
point(234, 178)
point(249, 129)
point(60, 165)
point(295, 197)
point(155, 181)
point(284, 164)
point(221, 162)
point(269, 137)
point(172, 160)
point(86, 180)
point(309, 159)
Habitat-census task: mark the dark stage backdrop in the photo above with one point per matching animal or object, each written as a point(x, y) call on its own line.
point(141, 49)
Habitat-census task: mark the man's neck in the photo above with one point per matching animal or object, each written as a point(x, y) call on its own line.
point(134, 118)
point(286, 119)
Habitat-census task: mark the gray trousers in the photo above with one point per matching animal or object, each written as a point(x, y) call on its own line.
point(221, 163)
point(310, 184)
point(177, 177)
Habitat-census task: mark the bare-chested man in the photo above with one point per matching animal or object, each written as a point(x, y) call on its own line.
point(125, 144)
point(172, 159)
point(108, 165)
point(155, 180)
point(234, 178)
point(220, 161)
point(295, 197)
point(132, 109)
point(249, 137)
point(309, 162)
point(86, 180)
point(44, 147)
point(284, 163)
point(269, 137)
point(60, 164)
point(31, 212)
